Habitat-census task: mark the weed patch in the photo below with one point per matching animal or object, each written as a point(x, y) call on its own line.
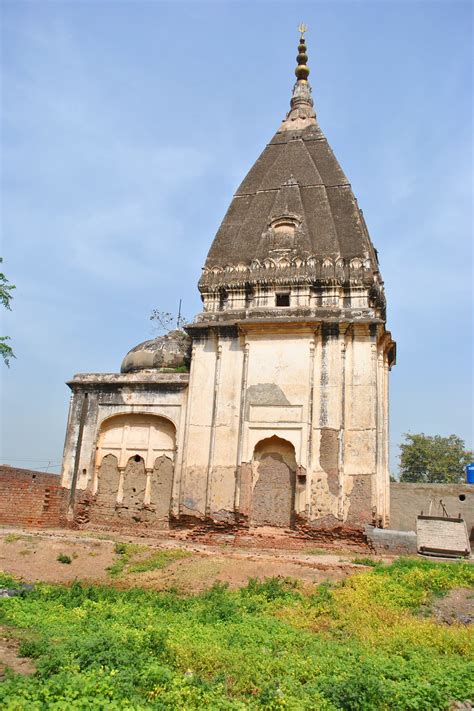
point(63, 558)
point(157, 560)
point(370, 562)
point(131, 559)
point(355, 645)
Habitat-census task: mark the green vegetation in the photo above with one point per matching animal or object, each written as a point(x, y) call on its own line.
point(361, 644)
point(6, 296)
point(158, 559)
point(131, 559)
point(180, 369)
point(365, 561)
point(431, 460)
point(9, 582)
point(63, 558)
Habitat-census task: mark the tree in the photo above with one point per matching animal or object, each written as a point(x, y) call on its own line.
point(6, 351)
point(164, 320)
point(433, 459)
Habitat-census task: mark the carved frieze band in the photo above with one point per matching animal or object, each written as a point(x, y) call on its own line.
point(356, 271)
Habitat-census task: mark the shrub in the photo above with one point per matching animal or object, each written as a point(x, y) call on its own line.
point(62, 558)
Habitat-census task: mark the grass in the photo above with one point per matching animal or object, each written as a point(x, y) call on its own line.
point(371, 562)
point(157, 560)
point(357, 645)
point(131, 559)
point(14, 537)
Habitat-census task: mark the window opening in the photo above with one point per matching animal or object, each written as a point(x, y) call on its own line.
point(282, 299)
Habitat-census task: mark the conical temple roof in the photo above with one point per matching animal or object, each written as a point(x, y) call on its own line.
point(299, 178)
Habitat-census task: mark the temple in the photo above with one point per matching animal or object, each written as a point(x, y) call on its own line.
point(271, 408)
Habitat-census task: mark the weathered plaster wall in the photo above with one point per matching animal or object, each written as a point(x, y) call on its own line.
point(320, 388)
point(124, 446)
point(203, 386)
point(95, 398)
point(407, 501)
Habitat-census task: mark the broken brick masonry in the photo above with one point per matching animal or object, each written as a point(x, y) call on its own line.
point(282, 419)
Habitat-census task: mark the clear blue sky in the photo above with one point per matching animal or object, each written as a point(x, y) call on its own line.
point(128, 125)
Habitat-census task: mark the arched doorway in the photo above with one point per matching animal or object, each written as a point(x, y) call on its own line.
point(135, 466)
point(274, 483)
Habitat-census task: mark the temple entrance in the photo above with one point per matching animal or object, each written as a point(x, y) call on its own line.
point(274, 478)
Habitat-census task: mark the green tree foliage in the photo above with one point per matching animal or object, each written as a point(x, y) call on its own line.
point(433, 460)
point(6, 351)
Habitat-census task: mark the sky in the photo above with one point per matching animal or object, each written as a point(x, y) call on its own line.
point(126, 128)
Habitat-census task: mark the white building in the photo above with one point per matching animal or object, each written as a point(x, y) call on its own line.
point(282, 419)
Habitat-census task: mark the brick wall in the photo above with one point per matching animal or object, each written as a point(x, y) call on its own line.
point(31, 498)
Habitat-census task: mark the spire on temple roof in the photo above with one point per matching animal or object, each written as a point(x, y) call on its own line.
point(301, 100)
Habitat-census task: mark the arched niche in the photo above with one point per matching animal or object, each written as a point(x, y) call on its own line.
point(135, 466)
point(124, 436)
point(273, 483)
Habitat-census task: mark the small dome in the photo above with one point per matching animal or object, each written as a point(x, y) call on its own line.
point(170, 351)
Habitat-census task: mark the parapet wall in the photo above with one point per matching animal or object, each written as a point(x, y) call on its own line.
point(407, 501)
point(32, 499)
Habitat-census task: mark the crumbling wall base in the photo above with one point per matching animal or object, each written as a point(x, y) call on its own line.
point(387, 540)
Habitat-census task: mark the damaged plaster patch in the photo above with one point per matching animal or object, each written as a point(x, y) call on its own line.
point(161, 485)
point(245, 479)
point(134, 484)
point(264, 394)
point(360, 510)
point(108, 483)
point(329, 458)
point(273, 498)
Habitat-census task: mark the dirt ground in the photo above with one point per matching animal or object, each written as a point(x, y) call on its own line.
point(33, 556)
point(9, 657)
point(456, 607)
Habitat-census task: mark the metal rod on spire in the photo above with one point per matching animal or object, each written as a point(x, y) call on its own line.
point(178, 320)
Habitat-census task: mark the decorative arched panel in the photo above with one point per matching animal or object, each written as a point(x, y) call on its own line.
point(148, 436)
point(135, 467)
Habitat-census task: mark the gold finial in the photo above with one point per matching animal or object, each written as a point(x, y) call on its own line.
point(302, 70)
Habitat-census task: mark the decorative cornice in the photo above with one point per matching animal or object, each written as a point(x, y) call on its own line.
point(292, 270)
